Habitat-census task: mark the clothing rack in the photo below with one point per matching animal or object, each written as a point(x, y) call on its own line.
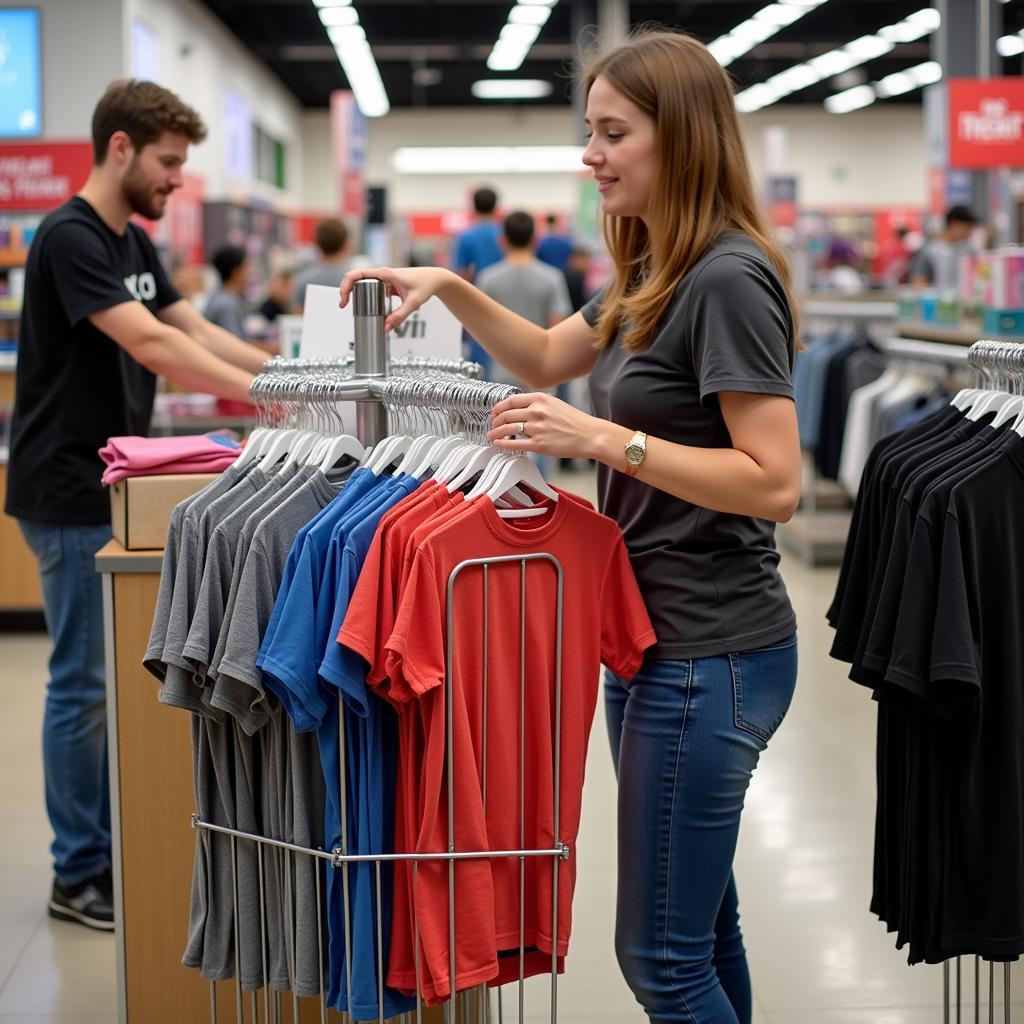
point(283, 390)
point(1001, 366)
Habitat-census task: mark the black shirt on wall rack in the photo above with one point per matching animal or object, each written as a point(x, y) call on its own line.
point(927, 611)
point(75, 386)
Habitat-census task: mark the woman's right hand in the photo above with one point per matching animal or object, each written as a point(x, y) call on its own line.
point(413, 285)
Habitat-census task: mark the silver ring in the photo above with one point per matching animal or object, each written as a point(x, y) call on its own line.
point(522, 429)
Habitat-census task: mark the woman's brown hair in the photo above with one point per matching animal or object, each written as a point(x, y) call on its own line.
point(703, 187)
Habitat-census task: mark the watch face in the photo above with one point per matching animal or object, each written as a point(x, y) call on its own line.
point(634, 453)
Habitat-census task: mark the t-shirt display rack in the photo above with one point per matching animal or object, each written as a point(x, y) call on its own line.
point(817, 532)
point(427, 386)
point(922, 685)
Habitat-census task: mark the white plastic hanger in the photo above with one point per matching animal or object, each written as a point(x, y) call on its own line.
point(254, 447)
point(338, 448)
point(302, 448)
point(1008, 411)
point(420, 446)
point(436, 456)
point(512, 470)
point(386, 452)
point(280, 446)
point(991, 401)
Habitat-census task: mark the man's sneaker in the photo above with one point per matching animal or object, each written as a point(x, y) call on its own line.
point(89, 902)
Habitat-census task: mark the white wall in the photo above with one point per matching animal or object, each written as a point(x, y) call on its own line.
point(199, 58)
point(83, 50)
point(873, 157)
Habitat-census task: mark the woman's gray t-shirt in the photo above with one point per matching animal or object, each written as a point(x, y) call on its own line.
point(710, 580)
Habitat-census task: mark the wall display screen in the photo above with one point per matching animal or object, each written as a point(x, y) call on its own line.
point(21, 112)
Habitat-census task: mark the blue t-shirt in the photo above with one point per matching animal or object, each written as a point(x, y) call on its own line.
point(325, 574)
point(479, 247)
point(555, 250)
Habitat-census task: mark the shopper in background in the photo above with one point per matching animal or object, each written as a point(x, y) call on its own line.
point(842, 268)
point(937, 262)
point(226, 306)
point(690, 349)
point(576, 272)
point(476, 249)
point(100, 320)
point(332, 240)
point(280, 290)
point(188, 282)
point(554, 248)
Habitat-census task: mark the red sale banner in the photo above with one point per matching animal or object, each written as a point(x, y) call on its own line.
point(42, 175)
point(986, 122)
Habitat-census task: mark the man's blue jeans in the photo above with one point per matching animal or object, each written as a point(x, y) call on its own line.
point(75, 720)
point(686, 737)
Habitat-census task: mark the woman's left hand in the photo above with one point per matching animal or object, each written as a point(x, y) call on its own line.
point(547, 425)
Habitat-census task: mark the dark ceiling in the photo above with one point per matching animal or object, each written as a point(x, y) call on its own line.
point(452, 39)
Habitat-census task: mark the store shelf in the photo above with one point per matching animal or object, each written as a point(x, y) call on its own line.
point(951, 335)
point(850, 309)
point(817, 538)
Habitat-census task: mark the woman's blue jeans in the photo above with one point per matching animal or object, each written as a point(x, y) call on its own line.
point(75, 720)
point(686, 737)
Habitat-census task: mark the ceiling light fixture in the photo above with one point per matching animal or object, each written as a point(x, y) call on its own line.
point(341, 20)
point(835, 62)
point(519, 33)
point(1010, 46)
point(763, 25)
point(511, 89)
point(488, 160)
point(850, 99)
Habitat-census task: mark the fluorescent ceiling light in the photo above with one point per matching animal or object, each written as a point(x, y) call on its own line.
point(523, 35)
point(895, 85)
point(511, 89)
point(349, 38)
point(779, 14)
point(332, 16)
point(763, 25)
point(868, 47)
point(835, 62)
point(850, 99)
point(927, 73)
point(1010, 46)
point(488, 159)
point(536, 15)
point(519, 33)
point(346, 35)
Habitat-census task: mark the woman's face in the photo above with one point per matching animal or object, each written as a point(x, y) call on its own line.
point(621, 151)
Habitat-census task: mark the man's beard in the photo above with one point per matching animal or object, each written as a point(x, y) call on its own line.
point(140, 197)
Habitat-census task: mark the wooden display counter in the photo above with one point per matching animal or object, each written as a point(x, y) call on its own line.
point(151, 806)
point(20, 590)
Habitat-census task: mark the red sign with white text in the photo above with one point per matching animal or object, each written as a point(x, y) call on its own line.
point(42, 175)
point(986, 122)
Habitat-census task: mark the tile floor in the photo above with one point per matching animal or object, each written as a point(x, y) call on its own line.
point(816, 955)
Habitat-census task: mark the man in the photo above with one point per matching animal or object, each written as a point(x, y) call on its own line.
point(937, 262)
point(554, 248)
point(331, 237)
point(522, 283)
point(476, 249)
point(100, 320)
point(226, 306)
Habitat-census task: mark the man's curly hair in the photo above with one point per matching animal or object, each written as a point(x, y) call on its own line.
point(145, 111)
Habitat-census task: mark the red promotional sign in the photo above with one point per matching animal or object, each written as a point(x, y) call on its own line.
point(42, 175)
point(986, 122)
point(349, 142)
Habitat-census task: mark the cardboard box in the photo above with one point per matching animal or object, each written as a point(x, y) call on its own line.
point(141, 506)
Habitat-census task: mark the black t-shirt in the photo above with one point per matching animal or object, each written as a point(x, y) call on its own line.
point(710, 580)
point(75, 386)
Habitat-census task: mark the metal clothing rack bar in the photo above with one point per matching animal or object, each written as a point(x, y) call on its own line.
point(924, 351)
point(366, 380)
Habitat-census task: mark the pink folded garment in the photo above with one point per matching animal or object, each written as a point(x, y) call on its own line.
point(148, 456)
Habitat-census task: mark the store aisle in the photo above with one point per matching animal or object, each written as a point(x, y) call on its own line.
point(804, 866)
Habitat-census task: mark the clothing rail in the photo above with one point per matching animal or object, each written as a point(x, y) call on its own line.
point(463, 367)
point(924, 351)
point(367, 381)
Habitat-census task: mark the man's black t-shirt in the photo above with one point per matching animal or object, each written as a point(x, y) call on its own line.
point(75, 386)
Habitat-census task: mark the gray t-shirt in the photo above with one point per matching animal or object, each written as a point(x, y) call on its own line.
point(710, 580)
point(938, 261)
point(328, 274)
point(227, 310)
point(535, 291)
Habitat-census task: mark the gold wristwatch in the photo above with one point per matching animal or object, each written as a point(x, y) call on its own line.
point(636, 452)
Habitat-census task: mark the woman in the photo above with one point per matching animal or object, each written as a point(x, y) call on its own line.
point(689, 349)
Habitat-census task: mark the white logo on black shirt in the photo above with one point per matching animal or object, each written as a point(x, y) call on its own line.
point(141, 286)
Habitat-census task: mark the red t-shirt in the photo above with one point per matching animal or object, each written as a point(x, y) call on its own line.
point(604, 620)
